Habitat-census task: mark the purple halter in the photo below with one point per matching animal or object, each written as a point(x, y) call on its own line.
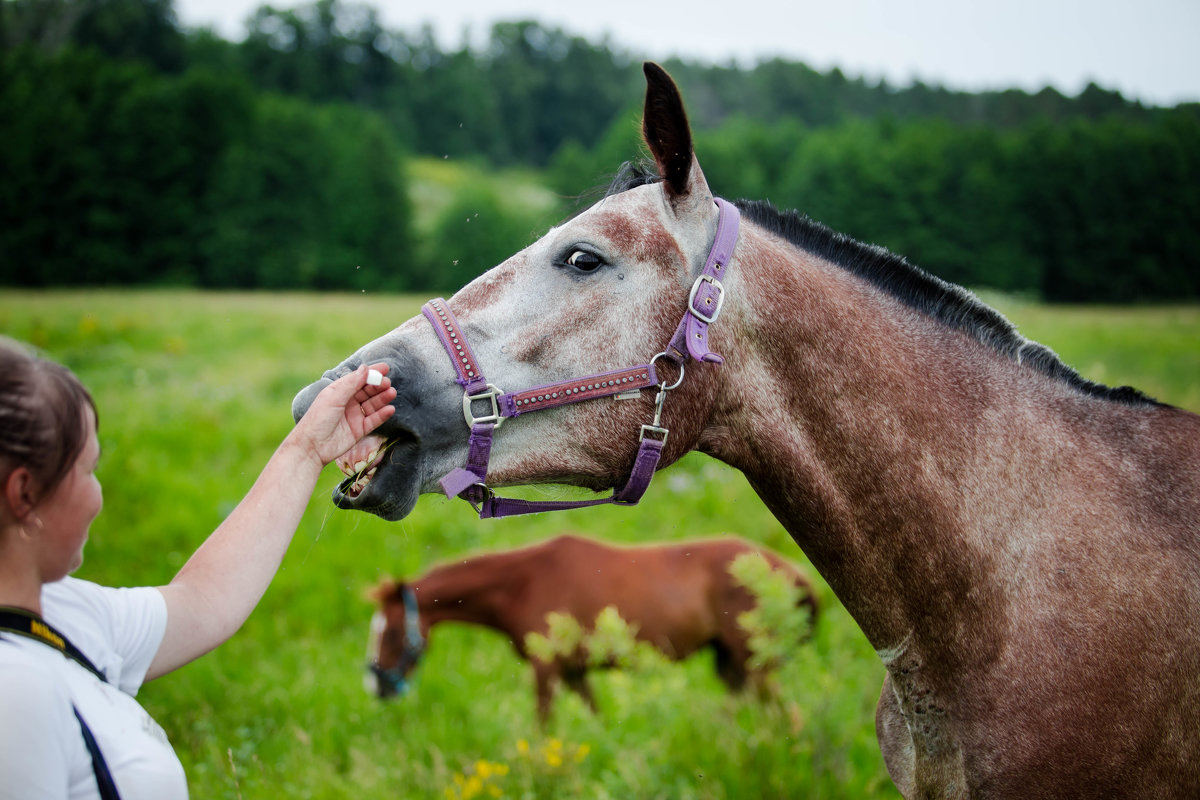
point(690, 341)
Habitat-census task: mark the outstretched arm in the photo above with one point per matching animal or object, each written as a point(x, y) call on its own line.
point(223, 581)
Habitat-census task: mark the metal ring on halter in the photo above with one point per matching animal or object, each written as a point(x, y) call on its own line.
point(664, 386)
point(488, 495)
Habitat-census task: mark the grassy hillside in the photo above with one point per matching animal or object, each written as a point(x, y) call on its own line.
point(433, 183)
point(194, 392)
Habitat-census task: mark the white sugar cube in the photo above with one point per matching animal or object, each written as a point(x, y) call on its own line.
point(374, 377)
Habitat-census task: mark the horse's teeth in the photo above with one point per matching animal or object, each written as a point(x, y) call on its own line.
point(359, 466)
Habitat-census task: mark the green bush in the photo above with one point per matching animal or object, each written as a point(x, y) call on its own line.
point(777, 625)
point(476, 231)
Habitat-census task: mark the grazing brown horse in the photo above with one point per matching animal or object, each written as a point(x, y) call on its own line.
point(1021, 546)
point(680, 597)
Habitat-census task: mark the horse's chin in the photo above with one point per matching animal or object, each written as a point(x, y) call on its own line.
point(390, 489)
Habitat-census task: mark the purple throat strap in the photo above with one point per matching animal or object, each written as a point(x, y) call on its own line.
point(485, 407)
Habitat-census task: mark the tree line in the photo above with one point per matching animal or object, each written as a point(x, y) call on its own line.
point(139, 152)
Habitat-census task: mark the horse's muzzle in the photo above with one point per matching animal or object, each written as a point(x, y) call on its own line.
point(388, 682)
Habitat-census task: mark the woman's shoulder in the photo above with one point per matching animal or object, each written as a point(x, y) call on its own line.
point(77, 597)
point(29, 681)
point(118, 629)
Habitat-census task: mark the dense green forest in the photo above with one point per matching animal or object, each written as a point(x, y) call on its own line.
point(137, 152)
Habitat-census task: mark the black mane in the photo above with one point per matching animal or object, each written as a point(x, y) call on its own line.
point(929, 294)
point(947, 302)
point(631, 175)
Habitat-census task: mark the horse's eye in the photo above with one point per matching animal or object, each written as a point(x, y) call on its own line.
point(584, 261)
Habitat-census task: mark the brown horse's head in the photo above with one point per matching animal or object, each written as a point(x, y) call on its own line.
point(397, 640)
point(603, 291)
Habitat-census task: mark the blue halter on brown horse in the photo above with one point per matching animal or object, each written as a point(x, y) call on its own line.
point(679, 597)
point(1021, 546)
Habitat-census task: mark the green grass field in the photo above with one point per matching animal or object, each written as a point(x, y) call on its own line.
point(194, 392)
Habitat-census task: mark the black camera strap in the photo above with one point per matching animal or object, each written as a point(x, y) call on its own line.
point(26, 623)
point(31, 625)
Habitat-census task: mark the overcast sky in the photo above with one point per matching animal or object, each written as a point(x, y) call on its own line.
point(1148, 50)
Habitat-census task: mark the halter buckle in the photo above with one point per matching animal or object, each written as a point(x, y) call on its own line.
point(654, 430)
point(490, 395)
point(708, 319)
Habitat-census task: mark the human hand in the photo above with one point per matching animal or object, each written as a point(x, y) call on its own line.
point(344, 412)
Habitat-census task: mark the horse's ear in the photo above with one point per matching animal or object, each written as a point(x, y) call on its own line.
point(669, 136)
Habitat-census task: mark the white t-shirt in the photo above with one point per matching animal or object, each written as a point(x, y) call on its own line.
point(42, 753)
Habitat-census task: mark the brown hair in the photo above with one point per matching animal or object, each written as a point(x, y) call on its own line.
point(42, 424)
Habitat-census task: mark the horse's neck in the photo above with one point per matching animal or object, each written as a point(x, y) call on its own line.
point(466, 592)
point(872, 434)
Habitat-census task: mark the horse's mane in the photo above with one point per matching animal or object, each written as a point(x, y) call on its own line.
point(949, 303)
point(631, 175)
